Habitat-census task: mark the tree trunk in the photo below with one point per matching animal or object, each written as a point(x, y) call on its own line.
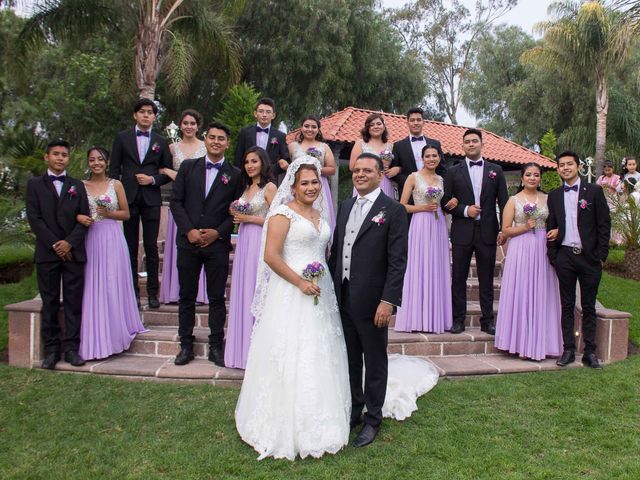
point(602, 109)
point(148, 56)
point(632, 262)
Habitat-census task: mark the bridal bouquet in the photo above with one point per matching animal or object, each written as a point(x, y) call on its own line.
point(434, 193)
point(313, 272)
point(530, 211)
point(240, 206)
point(314, 152)
point(386, 156)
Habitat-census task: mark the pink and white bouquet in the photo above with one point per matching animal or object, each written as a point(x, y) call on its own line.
point(103, 201)
point(313, 272)
point(434, 194)
point(530, 211)
point(387, 157)
point(240, 206)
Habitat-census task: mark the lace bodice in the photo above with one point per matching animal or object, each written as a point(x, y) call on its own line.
point(541, 214)
point(367, 148)
point(419, 193)
point(111, 204)
point(258, 205)
point(299, 151)
point(179, 156)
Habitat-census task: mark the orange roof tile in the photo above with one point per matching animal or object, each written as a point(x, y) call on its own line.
point(345, 126)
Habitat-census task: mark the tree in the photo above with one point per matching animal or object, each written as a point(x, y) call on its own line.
point(587, 39)
point(157, 38)
point(446, 39)
point(237, 111)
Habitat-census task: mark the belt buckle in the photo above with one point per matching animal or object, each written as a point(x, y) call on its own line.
point(576, 250)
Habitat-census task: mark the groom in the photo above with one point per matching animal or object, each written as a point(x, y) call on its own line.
point(368, 260)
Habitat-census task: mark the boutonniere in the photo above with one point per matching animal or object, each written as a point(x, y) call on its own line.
point(583, 204)
point(155, 148)
point(273, 141)
point(380, 218)
point(225, 178)
point(492, 174)
point(72, 191)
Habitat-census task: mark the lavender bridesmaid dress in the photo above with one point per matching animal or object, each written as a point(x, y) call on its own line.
point(110, 316)
point(528, 322)
point(386, 185)
point(426, 294)
point(243, 285)
point(169, 286)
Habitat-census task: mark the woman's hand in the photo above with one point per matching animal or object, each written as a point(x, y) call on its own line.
point(531, 223)
point(241, 217)
point(104, 212)
point(430, 207)
point(308, 288)
point(84, 220)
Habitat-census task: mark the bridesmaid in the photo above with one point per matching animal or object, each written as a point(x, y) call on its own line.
point(110, 316)
point(528, 322)
point(189, 147)
point(310, 142)
point(259, 192)
point(375, 140)
point(426, 295)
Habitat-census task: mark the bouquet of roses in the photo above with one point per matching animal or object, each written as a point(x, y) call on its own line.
point(386, 156)
point(530, 211)
point(240, 206)
point(103, 201)
point(434, 194)
point(314, 152)
point(313, 272)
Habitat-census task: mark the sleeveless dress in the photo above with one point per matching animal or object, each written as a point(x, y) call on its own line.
point(295, 397)
point(386, 185)
point(169, 286)
point(326, 189)
point(528, 322)
point(426, 294)
point(110, 316)
point(243, 285)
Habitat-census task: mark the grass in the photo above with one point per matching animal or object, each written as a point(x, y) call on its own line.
point(622, 294)
point(13, 293)
point(10, 254)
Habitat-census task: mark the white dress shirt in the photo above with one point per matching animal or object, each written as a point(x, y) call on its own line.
point(417, 151)
point(211, 173)
point(571, 233)
point(356, 217)
point(57, 183)
point(475, 173)
point(143, 144)
point(262, 138)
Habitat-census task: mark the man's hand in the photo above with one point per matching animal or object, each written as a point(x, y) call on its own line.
point(85, 220)
point(62, 248)
point(208, 236)
point(473, 211)
point(451, 204)
point(552, 234)
point(195, 237)
point(144, 179)
point(392, 172)
point(383, 315)
point(282, 163)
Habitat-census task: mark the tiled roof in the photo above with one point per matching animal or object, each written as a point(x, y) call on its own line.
point(345, 126)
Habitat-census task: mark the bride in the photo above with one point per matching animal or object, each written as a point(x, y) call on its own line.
point(295, 397)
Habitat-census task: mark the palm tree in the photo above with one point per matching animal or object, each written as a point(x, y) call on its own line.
point(586, 39)
point(166, 38)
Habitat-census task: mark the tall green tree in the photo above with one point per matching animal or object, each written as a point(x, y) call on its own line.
point(587, 39)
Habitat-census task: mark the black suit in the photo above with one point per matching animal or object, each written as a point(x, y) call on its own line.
point(594, 228)
point(52, 218)
point(403, 157)
point(469, 235)
point(144, 201)
point(276, 147)
point(191, 209)
point(378, 263)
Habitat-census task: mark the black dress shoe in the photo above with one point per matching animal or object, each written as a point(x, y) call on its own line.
point(216, 355)
point(488, 328)
point(568, 356)
point(153, 301)
point(591, 360)
point(366, 436)
point(355, 422)
point(185, 356)
point(73, 358)
point(138, 302)
point(457, 328)
point(50, 361)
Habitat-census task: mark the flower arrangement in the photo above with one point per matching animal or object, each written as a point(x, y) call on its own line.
point(530, 211)
point(314, 152)
point(103, 201)
point(380, 218)
point(225, 178)
point(387, 157)
point(313, 272)
point(240, 206)
point(434, 194)
point(492, 174)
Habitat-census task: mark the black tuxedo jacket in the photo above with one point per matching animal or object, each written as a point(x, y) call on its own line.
point(191, 209)
point(378, 256)
point(276, 147)
point(594, 222)
point(403, 158)
point(457, 183)
point(53, 218)
point(125, 164)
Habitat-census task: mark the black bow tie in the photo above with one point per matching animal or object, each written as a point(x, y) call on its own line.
point(417, 139)
point(263, 130)
point(59, 178)
point(217, 166)
point(140, 133)
point(475, 164)
point(567, 188)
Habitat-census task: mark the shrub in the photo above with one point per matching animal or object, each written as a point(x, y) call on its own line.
point(550, 180)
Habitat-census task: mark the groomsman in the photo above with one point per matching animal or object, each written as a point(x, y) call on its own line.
point(407, 153)
point(579, 212)
point(265, 136)
point(53, 201)
point(202, 193)
point(137, 156)
point(478, 185)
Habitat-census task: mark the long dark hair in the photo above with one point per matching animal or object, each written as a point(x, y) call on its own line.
point(265, 168)
point(522, 172)
point(105, 154)
point(366, 136)
point(300, 135)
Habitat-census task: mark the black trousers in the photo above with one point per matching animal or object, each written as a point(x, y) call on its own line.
point(570, 269)
point(364, 338)
point(216, 268)
point(485, 263)
point(150, 216)
point(50, 275)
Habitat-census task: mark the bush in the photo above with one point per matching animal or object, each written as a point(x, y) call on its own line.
point(550, 180)
point(237, 111)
